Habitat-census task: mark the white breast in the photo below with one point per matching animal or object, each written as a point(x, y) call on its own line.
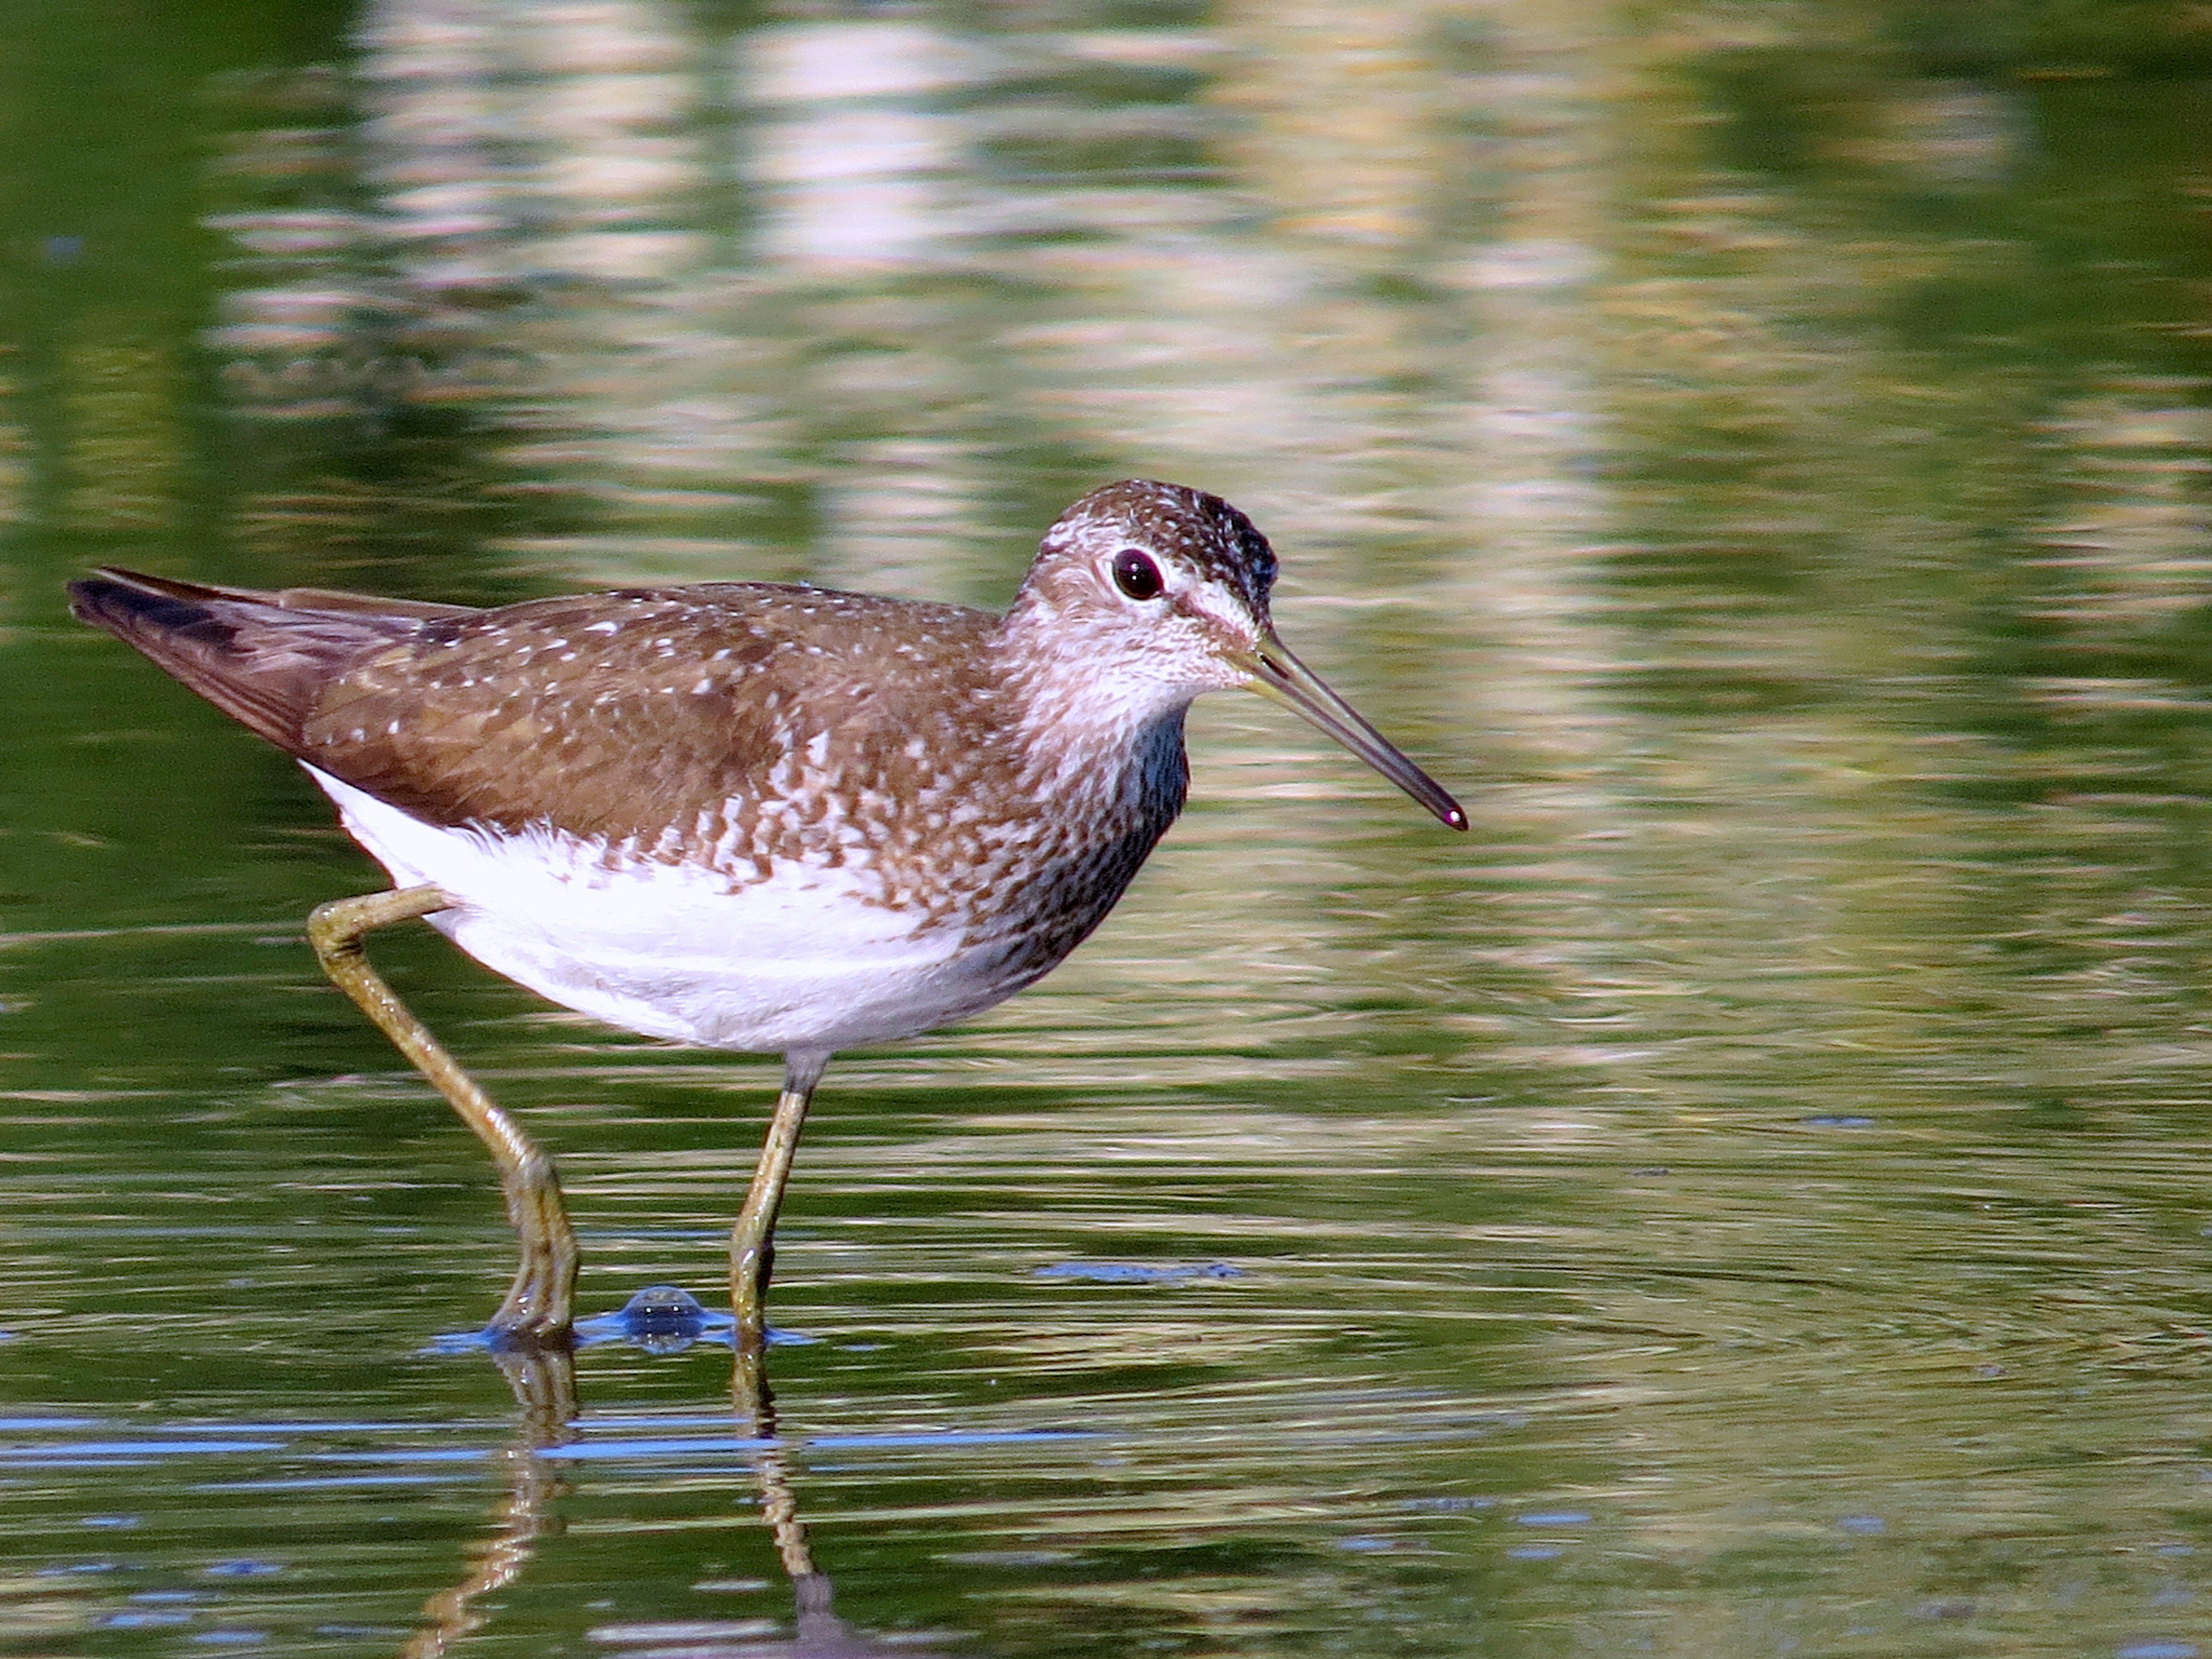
point(800, 960)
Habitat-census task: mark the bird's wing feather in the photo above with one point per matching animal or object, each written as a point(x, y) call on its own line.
point(259, 661)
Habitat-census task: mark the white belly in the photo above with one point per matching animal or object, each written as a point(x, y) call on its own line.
point(798, 962)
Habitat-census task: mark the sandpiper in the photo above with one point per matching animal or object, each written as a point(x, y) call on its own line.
point(777, 819)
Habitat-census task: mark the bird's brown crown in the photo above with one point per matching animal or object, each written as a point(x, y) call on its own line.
point(1213, 540)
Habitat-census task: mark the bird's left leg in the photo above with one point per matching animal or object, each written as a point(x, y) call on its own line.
point(539, 1303)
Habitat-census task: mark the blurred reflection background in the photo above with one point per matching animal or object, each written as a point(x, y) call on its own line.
point(1747, 1197)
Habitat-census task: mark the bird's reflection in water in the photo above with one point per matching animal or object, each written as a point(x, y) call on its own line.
point(659, 1320)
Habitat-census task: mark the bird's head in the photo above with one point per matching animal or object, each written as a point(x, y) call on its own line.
point(1155, 592)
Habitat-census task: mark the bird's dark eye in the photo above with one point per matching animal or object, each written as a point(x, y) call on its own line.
point(1136, 575)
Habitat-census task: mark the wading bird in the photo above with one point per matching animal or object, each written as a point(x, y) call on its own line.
point(777, 819)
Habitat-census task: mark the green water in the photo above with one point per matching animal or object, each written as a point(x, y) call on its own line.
point(1750, 1196)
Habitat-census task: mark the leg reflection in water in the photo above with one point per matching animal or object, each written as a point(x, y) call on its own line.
point(545, 1384)
point(821, 1634)
point(527, 1517)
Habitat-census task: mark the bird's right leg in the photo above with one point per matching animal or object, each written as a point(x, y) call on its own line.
point(752, 1241)
point(539, 1303)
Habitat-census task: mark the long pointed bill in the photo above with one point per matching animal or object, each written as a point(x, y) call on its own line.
point(1281, 677)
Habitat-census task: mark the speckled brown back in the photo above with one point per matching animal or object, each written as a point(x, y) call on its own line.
point(624, 715)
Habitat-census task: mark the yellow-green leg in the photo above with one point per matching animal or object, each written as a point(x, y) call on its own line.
point(752, 1241)
point(539, 1303)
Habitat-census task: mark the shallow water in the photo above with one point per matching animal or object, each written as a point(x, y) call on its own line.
point(1748, 1196)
